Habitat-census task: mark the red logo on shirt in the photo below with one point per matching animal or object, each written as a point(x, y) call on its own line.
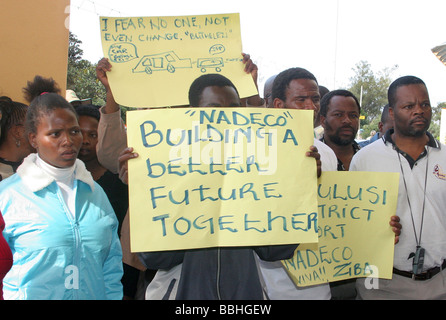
point(439, 173)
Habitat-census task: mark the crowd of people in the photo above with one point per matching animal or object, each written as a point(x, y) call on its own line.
point(64, 197)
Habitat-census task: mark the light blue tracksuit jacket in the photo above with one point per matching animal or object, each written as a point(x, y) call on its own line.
point(55, 255)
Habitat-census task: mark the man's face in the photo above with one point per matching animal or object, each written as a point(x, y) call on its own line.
point(412, 112)
point(215, 96)
point(301, 94)
point(342, 120)
point(89, 129)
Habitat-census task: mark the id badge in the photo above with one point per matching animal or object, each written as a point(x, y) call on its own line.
point(418, 261)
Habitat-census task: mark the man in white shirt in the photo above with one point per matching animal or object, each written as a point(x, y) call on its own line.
point(419, 259)
point(296, 88)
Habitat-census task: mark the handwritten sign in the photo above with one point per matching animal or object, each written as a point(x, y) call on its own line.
point(355, 239)
point(208, 177)
point(155, 59)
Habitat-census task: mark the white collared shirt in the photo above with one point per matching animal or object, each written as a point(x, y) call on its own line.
point(381, 156)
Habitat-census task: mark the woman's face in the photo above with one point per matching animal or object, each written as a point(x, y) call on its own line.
point(58, 138)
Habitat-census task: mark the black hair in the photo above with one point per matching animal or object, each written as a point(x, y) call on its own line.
point(12, 113)
point(327, 97)
point(204, 81)
point(402, 81)
point(283, 79)
point(323, 91)
point(88, 110)
point(385, 114)
point(43, 95)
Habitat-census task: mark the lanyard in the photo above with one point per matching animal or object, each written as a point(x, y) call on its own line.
point(418, 255)
point(418, 240)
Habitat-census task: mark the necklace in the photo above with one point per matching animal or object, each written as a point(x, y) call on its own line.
point(418, 255)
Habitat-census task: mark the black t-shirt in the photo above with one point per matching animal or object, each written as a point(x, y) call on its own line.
point(117, 193)
point(8, 168)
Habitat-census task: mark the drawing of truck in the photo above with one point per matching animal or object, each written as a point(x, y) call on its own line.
point(205, 63)
point(160, 62)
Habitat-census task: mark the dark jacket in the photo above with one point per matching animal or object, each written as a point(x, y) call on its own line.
point(217, 273)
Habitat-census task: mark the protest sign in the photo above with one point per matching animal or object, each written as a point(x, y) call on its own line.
point(208, 177)
point(155, 59)
point(355, 238)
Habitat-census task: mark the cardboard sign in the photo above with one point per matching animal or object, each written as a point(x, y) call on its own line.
point(155, 59)
point(355, 238)
point(208, 177)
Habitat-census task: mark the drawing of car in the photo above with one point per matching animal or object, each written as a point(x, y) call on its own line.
point(162, 61)
point(205, 63)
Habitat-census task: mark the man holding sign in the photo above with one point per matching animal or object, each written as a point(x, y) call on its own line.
point(237, 275)
point(297, 88)
point(202, 93)
point(410, 150)
point(210, 273)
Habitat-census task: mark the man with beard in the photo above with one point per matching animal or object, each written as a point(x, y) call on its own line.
point(419, 259)
point(339, 116)
point(297, 88)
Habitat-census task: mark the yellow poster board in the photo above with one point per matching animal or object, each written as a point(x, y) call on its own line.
point(34, 41)
point(208, 177)
point(155, 59)
point(355, 238)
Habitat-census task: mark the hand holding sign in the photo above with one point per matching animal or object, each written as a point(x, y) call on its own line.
point(355, 239)
point(123, 159)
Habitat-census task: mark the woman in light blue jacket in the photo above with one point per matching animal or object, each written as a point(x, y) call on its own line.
point(60, 225)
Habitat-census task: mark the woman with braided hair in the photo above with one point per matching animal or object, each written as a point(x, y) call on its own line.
point(14, 144)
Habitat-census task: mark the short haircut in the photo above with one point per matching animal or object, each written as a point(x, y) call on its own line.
point(323, 91)
point(326, 100)
point(385, 114)
point(43, 93)
point(400, 82)
point(88, 110)
point(283, 79)
point(204, 81)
